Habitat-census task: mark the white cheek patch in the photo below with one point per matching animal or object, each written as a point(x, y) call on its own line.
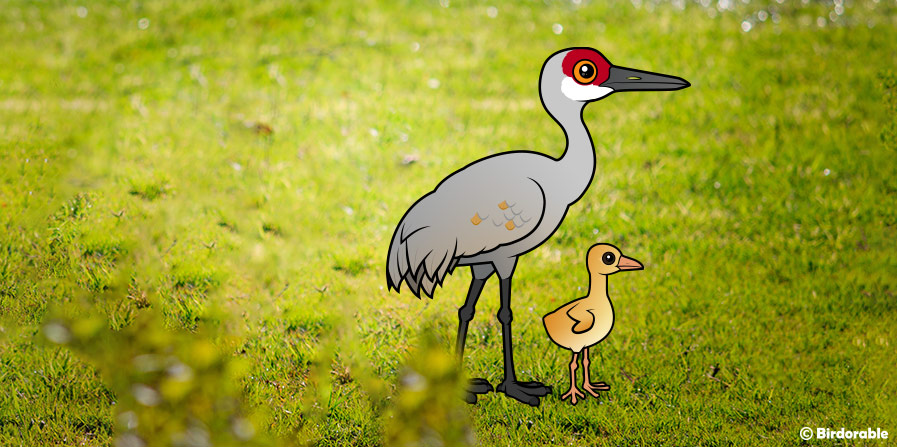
point(579, 92)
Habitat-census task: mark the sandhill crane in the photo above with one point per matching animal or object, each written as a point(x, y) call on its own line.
point(488, 213)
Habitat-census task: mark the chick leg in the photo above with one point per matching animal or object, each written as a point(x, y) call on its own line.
point(590, 387)
point(573, 393)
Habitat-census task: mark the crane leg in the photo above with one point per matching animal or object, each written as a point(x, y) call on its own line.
point(480, 273)
point(526, 392)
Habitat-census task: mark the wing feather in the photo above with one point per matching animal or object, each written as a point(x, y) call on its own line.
point(486, 214)
point(488, 204)
point(583, 317)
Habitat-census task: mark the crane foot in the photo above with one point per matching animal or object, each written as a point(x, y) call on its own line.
point(526, 392)
point(476, 387)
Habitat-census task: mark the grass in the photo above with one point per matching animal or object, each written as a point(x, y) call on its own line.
point(217, 182)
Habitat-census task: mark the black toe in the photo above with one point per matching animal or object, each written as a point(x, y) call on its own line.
point(475, 387)
point(536, 388)
point(523, 394)
point(479, 386)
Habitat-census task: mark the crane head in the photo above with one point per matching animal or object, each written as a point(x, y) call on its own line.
point(585, 75)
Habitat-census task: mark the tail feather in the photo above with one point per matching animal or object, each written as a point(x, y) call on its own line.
point(428, 284)
point(420, 258)
point(417, 257)
point(394, 267)
point(402, 257)
point(433, 263)
point(448, 264)
point(413, 284)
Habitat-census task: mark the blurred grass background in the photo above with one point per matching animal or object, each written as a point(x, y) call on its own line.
point(196, 199)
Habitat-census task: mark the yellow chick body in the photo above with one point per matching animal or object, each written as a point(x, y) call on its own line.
point(585, 322)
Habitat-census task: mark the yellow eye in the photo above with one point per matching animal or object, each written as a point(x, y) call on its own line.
point(584, 72)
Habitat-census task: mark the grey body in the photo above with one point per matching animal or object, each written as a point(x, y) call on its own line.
point(436, 234)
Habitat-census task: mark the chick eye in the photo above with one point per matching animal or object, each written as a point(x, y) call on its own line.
point(584, 71)
point(608, 258)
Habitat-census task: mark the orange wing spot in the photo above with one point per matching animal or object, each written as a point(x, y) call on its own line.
point(476, 219)
point(503, 205)
point(510, 225)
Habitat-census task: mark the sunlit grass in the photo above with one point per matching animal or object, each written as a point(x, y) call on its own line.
point(227, 176)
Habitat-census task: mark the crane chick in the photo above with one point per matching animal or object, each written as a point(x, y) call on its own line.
point(585, 322)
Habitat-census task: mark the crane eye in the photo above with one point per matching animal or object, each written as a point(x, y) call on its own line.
point(584, 72)
point(608, 258)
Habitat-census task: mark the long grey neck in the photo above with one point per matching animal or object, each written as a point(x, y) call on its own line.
point(577, 164)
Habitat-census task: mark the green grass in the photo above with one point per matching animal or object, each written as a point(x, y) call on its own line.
point(217, 185)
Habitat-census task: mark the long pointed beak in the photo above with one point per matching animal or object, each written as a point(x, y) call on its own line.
point(629, 79)
point(629, 264)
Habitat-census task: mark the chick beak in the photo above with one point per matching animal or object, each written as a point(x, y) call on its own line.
point(629, 264)
point(623, 79)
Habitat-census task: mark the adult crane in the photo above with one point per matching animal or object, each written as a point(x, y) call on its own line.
point(490, 212)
